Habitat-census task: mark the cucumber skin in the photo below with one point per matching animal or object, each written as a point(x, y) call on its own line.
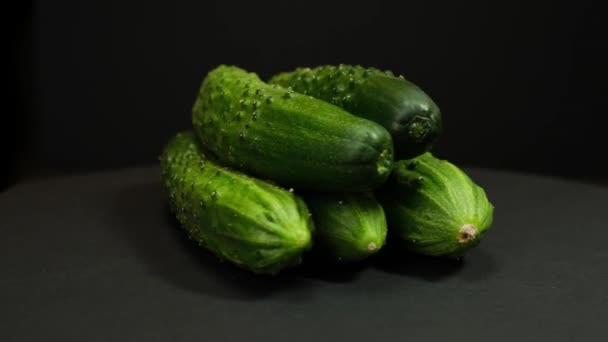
point(251, 223)
point(405, 110)
point(290, 138)
point(428, 200)
point(346, 224)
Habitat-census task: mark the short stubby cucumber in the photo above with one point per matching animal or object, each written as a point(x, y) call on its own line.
point(293, 139)
point(434, 207)
point(408, 113)
point(349, 226)
point(251, 223)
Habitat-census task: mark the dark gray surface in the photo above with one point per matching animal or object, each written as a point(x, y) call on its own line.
point(97, 258)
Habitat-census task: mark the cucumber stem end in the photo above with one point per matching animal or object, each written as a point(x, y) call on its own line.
point(467, 233)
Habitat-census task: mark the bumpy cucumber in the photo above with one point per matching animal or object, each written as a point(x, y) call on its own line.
point(408, 113)
point(434, 207)
point(251, 223)
point(290, 138)
point(349, 226)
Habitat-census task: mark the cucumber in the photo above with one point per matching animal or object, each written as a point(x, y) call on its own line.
point(293, 139)
point(406, 111)
point(434, 207)
point(251, 223)
point(349, 226)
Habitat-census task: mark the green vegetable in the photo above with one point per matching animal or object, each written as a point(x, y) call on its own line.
point(293, 139)
point(349, 226)
point(434, 207)
point(409, 114)
point(251, 223)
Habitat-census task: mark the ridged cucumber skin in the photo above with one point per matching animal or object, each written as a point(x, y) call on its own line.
point(293, 139)
point(434, 207)
point(405, 110)
point(349, 226)
point(251, 223)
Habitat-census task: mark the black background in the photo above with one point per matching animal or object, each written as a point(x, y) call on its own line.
point(103, 84)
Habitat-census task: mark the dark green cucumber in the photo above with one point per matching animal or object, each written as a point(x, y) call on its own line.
point(349, 226)
point(406, 111)
point(290, 138)
point(251, 223)
point(434, 207)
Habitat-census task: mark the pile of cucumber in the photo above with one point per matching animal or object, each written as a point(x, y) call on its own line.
point(334, 157)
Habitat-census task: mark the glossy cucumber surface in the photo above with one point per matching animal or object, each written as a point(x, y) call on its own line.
point(405, 110)
point(293, 139)
point(251, 223)
point(349, 226)
point(434, 207)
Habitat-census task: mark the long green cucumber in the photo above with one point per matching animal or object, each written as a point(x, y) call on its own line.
point(406, 111)
point(293, 139)
point(349, 226)
point(251, 223)
point(434, 207)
